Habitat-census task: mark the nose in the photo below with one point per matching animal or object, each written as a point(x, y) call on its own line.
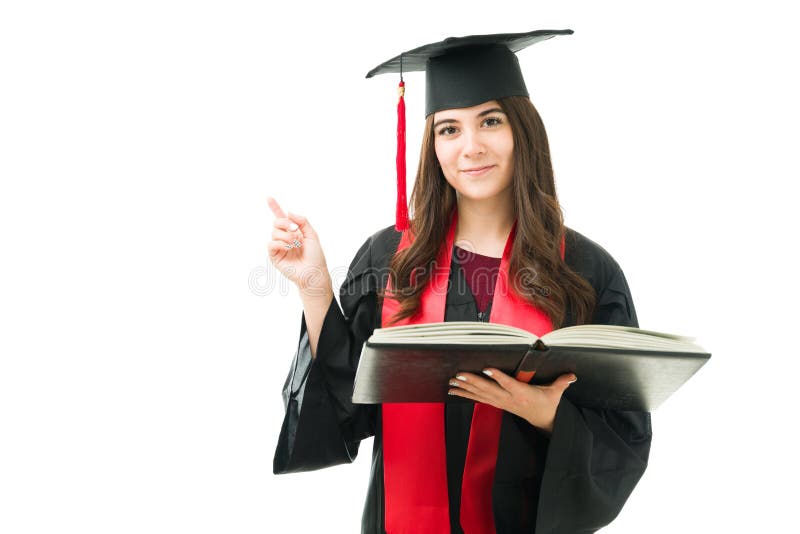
point(473, 144)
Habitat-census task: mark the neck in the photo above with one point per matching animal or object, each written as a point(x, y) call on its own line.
point(483, 226)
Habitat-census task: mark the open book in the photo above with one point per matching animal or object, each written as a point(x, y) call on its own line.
point(618, 367)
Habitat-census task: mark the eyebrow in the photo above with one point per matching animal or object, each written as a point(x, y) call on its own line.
point(481, 114)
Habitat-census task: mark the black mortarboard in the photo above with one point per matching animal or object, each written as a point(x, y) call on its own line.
point(460, 72)
point(467, 71)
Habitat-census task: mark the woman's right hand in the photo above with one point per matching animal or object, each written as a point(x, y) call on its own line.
point(296, 252)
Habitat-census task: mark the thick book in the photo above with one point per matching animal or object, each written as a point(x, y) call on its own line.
point(618, 367)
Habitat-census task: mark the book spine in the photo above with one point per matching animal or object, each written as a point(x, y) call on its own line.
point(528, 363)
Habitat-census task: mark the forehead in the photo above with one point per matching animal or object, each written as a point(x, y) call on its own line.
point(466, 113)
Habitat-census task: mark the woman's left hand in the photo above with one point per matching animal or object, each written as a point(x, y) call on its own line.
point(535, 404)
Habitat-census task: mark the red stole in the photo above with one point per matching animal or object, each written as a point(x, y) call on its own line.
point(415, 468)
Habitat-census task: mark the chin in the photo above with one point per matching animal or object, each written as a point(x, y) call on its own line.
point(476, 198)
point(480, 194)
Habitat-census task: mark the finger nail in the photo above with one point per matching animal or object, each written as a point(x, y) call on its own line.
point(293, 227)
point(297, 243)
point(487, 372)
point(462, 378)
point(574, 379)
point(450, 393)
point(454, 383)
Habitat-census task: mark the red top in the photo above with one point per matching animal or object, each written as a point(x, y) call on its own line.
point(481, 274)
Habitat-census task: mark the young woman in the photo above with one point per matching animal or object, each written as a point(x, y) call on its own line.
point(486, 242)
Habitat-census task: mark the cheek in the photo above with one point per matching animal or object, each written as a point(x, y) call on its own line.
point(508, 147)
point(444, 154)
point(439, 149)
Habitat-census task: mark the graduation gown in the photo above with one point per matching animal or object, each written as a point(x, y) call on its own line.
point(573, 481)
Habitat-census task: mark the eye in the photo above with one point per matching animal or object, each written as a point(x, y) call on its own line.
point(447, 130)
point(492, 121)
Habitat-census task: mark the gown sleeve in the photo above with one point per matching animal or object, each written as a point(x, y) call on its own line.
point(595, 457)
point(321, 426)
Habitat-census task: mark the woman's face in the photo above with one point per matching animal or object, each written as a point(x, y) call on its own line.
point(475, 149)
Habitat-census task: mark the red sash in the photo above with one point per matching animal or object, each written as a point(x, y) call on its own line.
point(415, 468)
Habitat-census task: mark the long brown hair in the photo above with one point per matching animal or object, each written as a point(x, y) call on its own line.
point(536, 269)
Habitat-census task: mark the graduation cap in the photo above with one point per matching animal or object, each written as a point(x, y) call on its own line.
point(460, 72)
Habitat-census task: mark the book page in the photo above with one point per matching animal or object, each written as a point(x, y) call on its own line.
point(477, 333)
point(466, 332)
point(620, 337)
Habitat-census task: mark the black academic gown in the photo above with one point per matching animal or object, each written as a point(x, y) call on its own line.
point(574, 481)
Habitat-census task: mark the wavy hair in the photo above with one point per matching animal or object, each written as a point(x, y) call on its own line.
point(536, 270)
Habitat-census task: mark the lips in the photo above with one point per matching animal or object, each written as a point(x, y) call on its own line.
point(477, 171)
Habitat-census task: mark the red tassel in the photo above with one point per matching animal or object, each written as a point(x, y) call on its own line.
point(401, 219)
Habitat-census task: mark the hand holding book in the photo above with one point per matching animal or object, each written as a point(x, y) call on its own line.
point(535, 404)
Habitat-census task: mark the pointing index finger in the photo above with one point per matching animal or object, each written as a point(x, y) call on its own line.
point(275, 207)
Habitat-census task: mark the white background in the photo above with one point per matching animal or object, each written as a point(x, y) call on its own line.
point(141, 372)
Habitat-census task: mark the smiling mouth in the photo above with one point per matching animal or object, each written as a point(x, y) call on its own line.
point(476, 171)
